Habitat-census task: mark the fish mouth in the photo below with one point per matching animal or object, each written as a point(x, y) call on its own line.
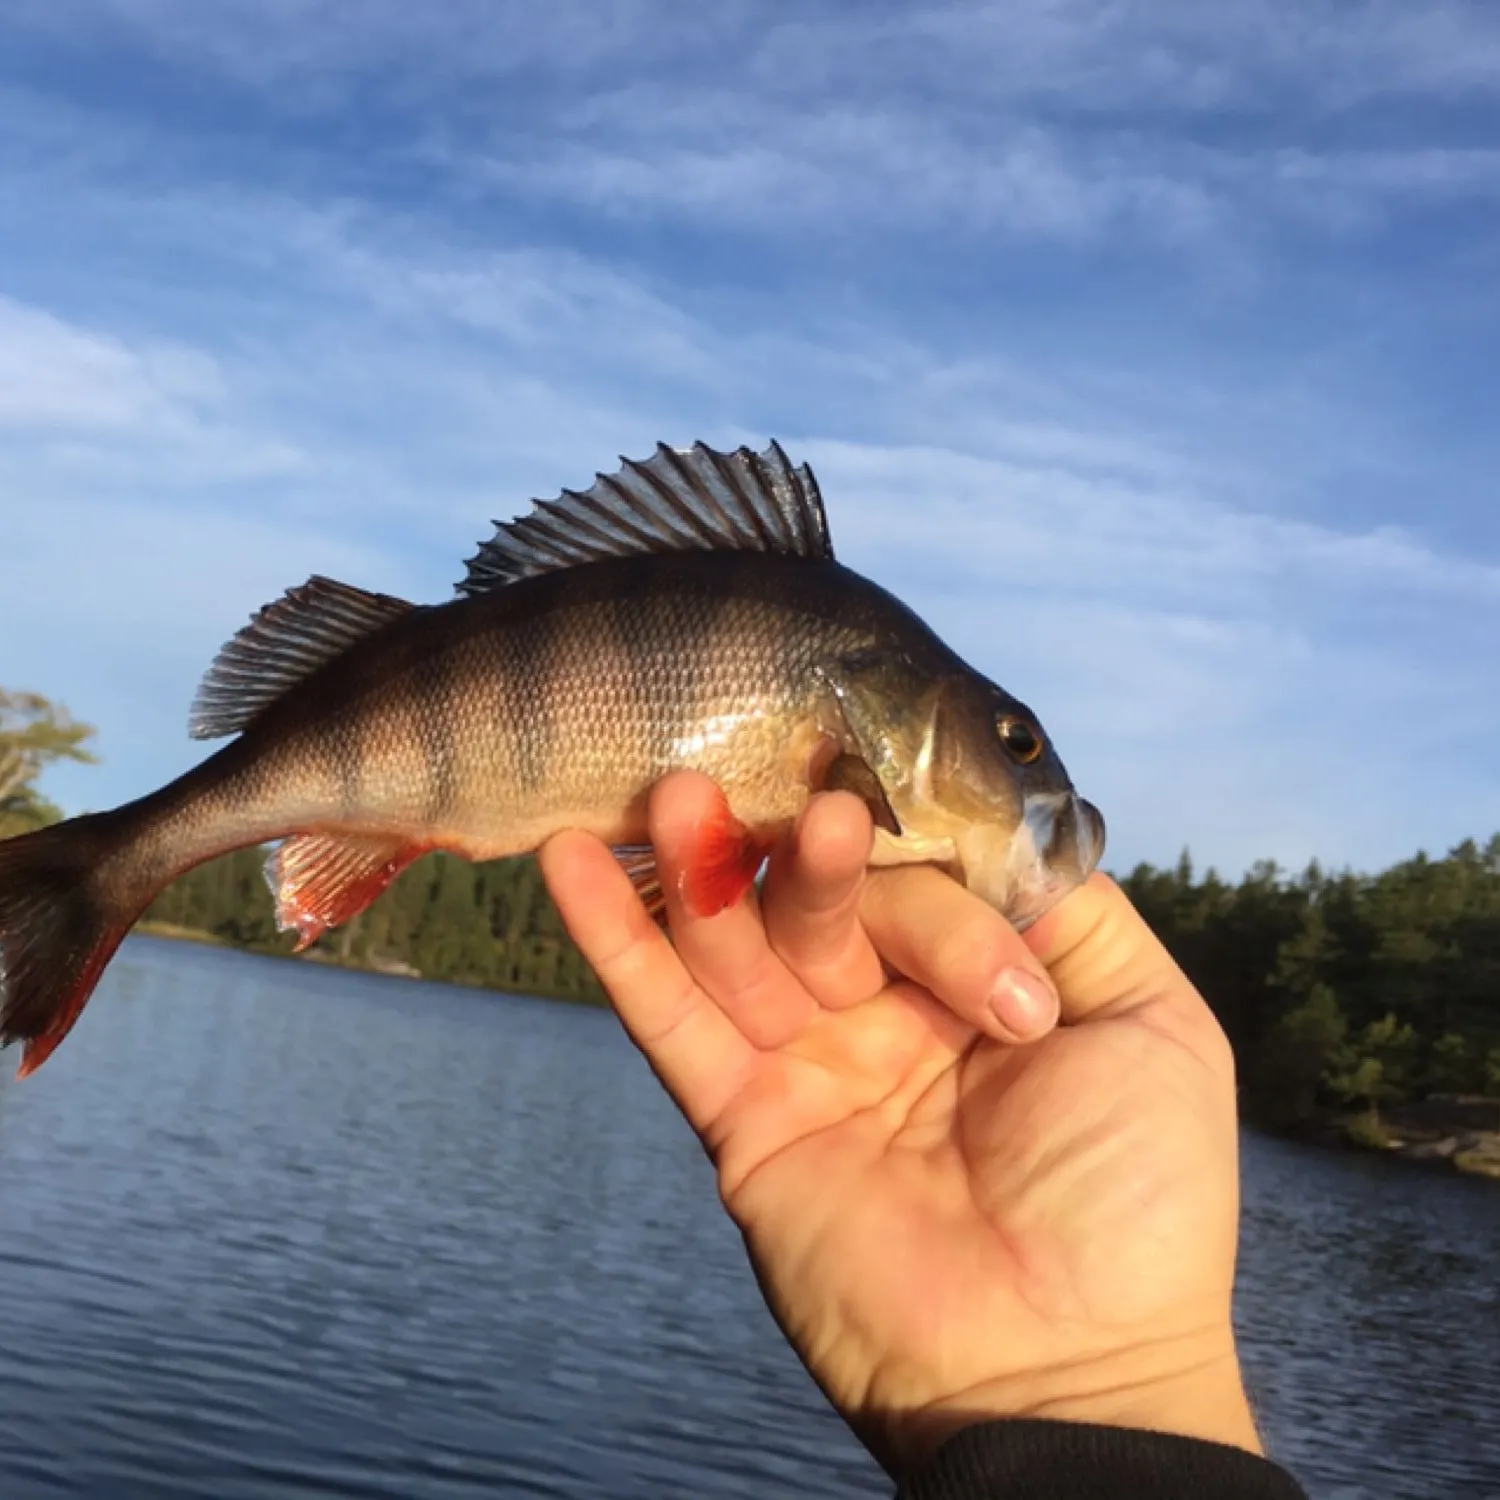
point(1058, 846)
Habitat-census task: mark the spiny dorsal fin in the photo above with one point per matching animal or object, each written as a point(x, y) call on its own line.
point(690, 500)
point(283, 643)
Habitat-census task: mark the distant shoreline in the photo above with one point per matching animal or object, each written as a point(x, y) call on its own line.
point(1457, 1147)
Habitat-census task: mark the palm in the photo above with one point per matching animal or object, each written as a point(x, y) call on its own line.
point(945, 1224)
point(1042, 1200)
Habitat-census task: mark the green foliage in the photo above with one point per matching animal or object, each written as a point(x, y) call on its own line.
point(1361, 1082)
point(1366, 1130)
point(1302, 1049)
point(1342, 990)
point(1453, 1066)
point(34, 732)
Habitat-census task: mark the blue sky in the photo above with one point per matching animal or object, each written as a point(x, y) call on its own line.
point(1149, 350)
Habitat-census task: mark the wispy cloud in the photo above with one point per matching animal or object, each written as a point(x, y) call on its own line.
point(757, 167)
point(88, 403)
point(55, 376)
point(1174, 56)
point(1031, 118)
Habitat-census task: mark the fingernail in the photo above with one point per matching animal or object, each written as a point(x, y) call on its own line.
point(1023, 1004)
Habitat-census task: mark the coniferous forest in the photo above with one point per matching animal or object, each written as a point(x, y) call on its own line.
point(1344, 995)
point(1343, 991)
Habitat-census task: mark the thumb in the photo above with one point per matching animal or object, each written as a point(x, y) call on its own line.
point(1106, 962)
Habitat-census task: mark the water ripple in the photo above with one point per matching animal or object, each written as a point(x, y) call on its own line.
point(267, 1227)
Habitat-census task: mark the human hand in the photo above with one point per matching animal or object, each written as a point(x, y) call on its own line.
point(948, 1225)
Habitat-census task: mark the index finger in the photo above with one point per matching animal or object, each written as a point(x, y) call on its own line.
point(692, 1046)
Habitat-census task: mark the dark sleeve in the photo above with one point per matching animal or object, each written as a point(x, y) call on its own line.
point(1043, 1460)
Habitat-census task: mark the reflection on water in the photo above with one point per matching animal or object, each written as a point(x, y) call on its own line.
point(1369, 1310)
point(267, 1227)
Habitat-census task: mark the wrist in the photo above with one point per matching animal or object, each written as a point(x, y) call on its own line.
point(1194, 1394)
point(1191, 1387)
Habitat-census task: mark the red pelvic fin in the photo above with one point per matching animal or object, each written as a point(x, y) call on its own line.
point(320, 880)
point(722, 865)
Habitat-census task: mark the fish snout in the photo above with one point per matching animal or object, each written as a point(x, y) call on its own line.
point(1024, 870)
point(1091, 837)
point(1067, 834)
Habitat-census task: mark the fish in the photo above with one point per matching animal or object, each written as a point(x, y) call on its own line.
point(686, 611)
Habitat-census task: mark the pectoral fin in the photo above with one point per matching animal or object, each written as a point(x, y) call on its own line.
point(720, 867)
point(852, 773)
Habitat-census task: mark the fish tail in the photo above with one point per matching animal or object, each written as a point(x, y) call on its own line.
point(65, 906)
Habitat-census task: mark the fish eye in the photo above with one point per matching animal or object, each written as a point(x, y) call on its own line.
point(1022, 741)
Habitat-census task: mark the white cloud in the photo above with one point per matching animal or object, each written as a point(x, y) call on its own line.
point(754, 166)
point(54, 376)
point(94, 404)
point(1012, 519)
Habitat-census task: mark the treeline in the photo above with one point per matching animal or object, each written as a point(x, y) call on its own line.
point(492, 924)
point(1343, 992)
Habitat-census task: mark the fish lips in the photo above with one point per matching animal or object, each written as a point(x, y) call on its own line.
point(1056, 847)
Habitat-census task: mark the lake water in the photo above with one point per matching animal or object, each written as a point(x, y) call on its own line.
point(275, 1229)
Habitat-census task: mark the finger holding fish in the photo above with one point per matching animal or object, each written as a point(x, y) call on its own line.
point(838, 925)
point(725, 949)
point(810, 902)
point(697, 1051)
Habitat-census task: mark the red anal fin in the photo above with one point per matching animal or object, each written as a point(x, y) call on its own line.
point(320, 880)
point(722, 863)
point(639, 862)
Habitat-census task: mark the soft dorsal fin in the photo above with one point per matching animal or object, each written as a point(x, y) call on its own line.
point(283, 643)
point(689, 500)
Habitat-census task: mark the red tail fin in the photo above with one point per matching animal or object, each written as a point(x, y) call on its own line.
point(57, 933)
